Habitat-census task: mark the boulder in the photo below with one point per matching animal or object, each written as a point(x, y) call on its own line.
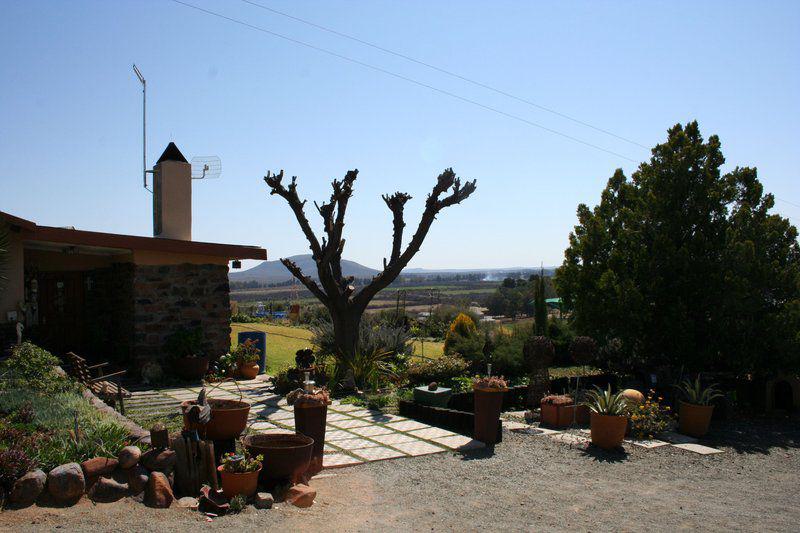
point(138, 476)
point(301, 496)
point(187, 502)
point(108, 490)
point(98, 466)
point(158, 493)
point(263, 500)
point(66, 483)
point(129, 456)
point(28, 488)
point(157, 460)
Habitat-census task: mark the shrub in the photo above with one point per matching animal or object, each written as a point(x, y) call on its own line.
point(246, 353)
point(14, 463)
point(489, 382)
point(32, 367)
point(442, 370)
point(462, 338)
point(507, 356)
point(185, 343)
point(538, 352)
point(558, 399)
point(583, 350)
point(649, 418)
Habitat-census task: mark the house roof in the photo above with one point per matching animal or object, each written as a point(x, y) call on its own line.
point(49, 234)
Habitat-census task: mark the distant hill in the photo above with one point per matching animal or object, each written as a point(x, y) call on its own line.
point(274, 271)
point(270, 272)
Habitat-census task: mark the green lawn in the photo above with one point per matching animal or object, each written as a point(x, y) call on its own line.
point(284, 341)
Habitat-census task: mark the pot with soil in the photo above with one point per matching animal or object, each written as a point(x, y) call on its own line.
point(609, 418)
point(286, 456)
point(694, 415)
point(239, 474)
point(228, 419)
point(489, 392)
point(247, 370)
point(191, 368)
point(247, 357)
point(560, 411)
point(310, 415)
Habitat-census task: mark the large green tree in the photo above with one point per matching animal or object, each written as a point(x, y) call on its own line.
point(683, 265)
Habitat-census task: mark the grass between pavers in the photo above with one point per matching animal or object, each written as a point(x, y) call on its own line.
point(284, 341)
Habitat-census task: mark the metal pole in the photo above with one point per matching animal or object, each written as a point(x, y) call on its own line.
point(144, 123)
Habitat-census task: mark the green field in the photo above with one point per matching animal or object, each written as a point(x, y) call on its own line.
point(284, 341)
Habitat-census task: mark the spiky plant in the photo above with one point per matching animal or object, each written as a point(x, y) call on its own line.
point(604, 402)
point(695, 393)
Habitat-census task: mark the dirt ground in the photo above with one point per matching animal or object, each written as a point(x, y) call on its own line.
point(529, 483)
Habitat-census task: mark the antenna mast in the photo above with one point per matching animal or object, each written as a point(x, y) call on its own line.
point(144, 123)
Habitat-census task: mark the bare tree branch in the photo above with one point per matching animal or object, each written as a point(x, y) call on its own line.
point(310, 284)
point(290, 195)
point(396, 204)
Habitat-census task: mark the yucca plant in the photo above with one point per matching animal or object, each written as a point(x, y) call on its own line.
point(694, 392)
point(604, 402)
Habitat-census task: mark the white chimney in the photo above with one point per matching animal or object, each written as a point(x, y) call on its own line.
point(172, 196)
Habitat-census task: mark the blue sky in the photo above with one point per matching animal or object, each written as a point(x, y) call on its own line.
point(70, 111)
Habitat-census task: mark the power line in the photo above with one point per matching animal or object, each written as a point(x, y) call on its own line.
point(405, 78)
point(447, 72)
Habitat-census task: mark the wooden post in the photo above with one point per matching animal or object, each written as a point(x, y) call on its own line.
point(159, 436)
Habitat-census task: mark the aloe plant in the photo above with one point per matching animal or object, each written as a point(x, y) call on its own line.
point(695, 393)
point(604, 402)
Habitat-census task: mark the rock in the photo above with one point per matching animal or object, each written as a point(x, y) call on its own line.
point(108, 490)
point(129, 456)
point(28, 488)
point(158, 493)
point(188, 502)
point(98, 466)
point(66, 483)
point(263, 500)
point(301, 496)
point(633, 396)
point(138, 476)
point(157, 460)
point(211, 501)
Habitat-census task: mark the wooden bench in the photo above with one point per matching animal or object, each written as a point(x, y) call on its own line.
point(101, 384)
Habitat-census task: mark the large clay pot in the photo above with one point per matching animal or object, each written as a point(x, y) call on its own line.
point(286, 456)
point(694, 419)
point(561, 416)
point(310, 420)
point(190, 368)
point(234, 484)
point(228, 419)
point(488, 404)
point(608, 431)
point(248, 370)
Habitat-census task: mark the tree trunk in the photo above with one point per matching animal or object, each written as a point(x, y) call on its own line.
point(346, 324)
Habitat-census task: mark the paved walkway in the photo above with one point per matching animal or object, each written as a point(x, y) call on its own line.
point(354, 435)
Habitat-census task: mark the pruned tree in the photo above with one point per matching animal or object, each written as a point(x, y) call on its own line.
point(336, 291)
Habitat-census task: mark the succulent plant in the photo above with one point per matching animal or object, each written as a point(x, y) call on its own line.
point(695, 393)
point(604, 402)
point(304, 358)
point(489, 382)
point(558, 399)
point(303, 398)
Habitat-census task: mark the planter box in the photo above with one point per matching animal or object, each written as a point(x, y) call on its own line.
point(561, 416)
point(435, 398)
point(462, 422)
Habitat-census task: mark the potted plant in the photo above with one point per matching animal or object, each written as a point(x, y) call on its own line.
point(608, 420)
point(489, 393)
point(239, 474)
point(185, 351)
point(560, 411)
point(310, 416)
point(695, 412)
point(247, 356)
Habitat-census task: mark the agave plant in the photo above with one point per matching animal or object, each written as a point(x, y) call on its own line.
point(695, 393)
point(604, 402)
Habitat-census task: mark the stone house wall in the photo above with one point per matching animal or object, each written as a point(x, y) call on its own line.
point(169, 297)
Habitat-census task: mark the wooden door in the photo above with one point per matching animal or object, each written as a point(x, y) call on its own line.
point(61, 311)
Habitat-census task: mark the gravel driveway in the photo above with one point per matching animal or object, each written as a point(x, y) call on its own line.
point(528, 483)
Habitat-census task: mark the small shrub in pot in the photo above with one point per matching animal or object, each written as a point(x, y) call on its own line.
point(696, 409)
point(608, 417)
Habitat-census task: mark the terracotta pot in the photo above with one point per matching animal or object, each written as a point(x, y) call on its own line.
point(234, 484)
point(310, 420)
point(694, 419)
point(248, 370)
point(190, 368)
point(228, 419)
point(608, 431)
point(286, 456)
point(488, 404)
point(561, 416)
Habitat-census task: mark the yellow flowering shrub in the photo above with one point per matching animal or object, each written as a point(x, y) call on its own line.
point(649, 418)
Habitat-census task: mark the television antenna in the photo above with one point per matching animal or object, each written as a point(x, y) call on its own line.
point(144, 124)
point(206, 167)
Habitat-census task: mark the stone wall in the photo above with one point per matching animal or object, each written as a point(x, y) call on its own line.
point(167, 298)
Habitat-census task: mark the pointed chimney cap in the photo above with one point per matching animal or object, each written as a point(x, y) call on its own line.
point(171, 153)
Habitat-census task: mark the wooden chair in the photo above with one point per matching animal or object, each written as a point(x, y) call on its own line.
point(101, 385)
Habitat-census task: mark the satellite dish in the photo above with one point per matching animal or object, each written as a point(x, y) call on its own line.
point(206, 167)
